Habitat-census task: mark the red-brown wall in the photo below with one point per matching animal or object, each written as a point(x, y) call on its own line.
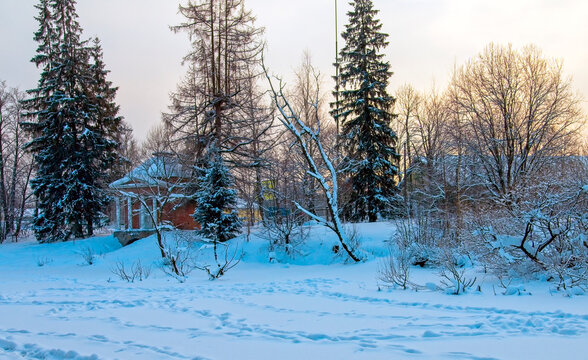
point(181, 216)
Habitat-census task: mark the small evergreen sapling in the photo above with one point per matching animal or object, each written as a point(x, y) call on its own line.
point(217, 200)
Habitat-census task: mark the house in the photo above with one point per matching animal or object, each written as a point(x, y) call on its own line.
point(155, 192)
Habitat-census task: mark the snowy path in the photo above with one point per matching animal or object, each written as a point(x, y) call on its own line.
point(291, 314)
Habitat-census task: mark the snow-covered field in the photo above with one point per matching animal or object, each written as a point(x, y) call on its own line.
point(54, 306)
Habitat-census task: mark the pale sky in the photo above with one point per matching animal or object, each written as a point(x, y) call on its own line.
point(427, 37)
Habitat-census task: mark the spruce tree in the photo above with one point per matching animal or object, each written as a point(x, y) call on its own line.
point(112, 127)
point(102, 130)
point(72, 124)
point(217, 199)
point(364, 111)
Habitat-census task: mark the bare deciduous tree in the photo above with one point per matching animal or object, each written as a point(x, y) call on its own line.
point(15, 164)
point(130, 152)
point(323, 170)
point(408, 103)
point(212, 102)
point(158, 140)
point(219, 100)
point(307, 100)
point(518, 111)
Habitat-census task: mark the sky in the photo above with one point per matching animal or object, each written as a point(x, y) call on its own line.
point(428, 38)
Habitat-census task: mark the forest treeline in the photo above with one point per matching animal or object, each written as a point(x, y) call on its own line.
point(493, 162)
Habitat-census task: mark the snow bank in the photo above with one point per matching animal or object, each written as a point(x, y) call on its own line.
point(313, 306)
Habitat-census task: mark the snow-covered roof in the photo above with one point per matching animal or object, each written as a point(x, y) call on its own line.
point(157, 170)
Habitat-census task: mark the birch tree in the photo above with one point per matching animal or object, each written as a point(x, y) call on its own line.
point(321, 169)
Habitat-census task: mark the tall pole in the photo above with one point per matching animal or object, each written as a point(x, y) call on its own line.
point(337, 137)
point(336, 74)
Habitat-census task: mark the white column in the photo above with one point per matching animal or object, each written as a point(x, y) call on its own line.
point(129, 213)
point(142, 216)
point(117, 211)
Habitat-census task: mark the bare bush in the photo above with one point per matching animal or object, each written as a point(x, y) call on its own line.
point(230, 260)
point(42, 261)
point(88, 255)
point(543, 234)
point(180, 259)
point(420, 238)
point(454, 277)
point(394, 271)
point(495, 241)
point(567, 263)
point(509, 289)
point(285, 231)
point(135, 272)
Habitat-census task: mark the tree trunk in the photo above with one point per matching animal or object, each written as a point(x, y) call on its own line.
point(90, 226)
point(23, 203)
point(259, 193)
point(160, 243)
point(3, 195)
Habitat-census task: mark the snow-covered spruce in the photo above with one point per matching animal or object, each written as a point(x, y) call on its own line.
point(217, 199)
point(73, 123)
point(364, 111)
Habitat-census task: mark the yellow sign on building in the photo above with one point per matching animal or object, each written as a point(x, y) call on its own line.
point(268, 187)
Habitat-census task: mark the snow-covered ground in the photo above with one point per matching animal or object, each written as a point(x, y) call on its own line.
point(54, 306)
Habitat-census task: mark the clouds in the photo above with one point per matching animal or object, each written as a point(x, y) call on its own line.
point(427, 37)
point(438, 34)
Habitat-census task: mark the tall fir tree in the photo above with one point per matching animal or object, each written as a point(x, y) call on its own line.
point(364, 111)
point(73, 122)
point(217, 200)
